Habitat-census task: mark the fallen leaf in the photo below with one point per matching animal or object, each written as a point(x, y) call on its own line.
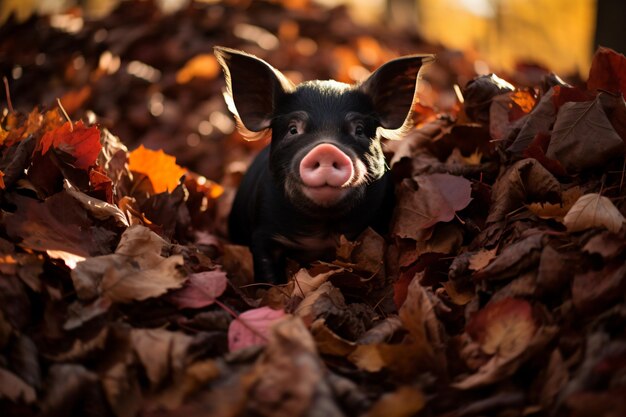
point(15, 389)
point(252, 328)
point(304, 283)
point(539, 120)
point(593, 210)
point(482, 258)
point(161, 169)
point(328, 342)
point(405, 401)
point(524, 182)
point(503, 328)
point(608, 71)
point(161, 352)
point(78, 140)
point(596, 290)
point(556, 211)
point(59, 223)
point(514, 259)
point(478, 95)
point(437, 199)
point(583, 137)
point(136, 271)
point(200, 290)
point(289, 378)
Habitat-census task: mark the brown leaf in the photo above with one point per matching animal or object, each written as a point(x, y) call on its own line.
point(583, 137)
point(514, 259)
point(606, 244)
point(161, 352)
point(437, 198)
point(503, 328)
point(71, 389)
point(553, 379)
point(479, 93)
point(328, 342)
point(557, 211)
point(288, 379)
point(136, 271)
point(58, 223)
point(593, 210)
point(405, 401)
point(595, 291)
point(15, 389)
point(538, 121)
point(524, 182)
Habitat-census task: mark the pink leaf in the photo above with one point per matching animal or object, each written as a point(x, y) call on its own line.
point(252, 328)
point(201, 289)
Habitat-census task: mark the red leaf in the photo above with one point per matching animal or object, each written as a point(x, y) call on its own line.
point(608, 71)
point(564, 95)
point(537, 150)
point(82, 142)
point(201, 289)
point(252, 328)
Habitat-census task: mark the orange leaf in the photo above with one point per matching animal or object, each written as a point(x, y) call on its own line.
point(160, 168)
point(2, 186)
point(82, 142)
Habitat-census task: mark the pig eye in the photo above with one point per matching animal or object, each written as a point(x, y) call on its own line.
point(359, 130)
point(293, 129)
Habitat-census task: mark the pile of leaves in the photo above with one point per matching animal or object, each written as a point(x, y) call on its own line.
point(498, 291)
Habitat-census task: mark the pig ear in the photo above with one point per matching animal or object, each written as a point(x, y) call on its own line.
point(392, 88)
point(252, 88)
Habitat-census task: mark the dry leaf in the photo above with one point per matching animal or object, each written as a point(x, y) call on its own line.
point(406, 401)
point(252, 328)
point(437, 198)
point(200, 290)
point(593, 210)
point(583, 137)
point(161, 169)
point(524, 182)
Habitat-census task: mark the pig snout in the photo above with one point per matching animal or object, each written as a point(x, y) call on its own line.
point(325, 171)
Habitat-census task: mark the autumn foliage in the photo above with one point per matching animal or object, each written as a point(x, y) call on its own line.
point(499, 289)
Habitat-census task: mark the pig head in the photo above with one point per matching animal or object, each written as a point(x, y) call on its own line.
point(324, 173)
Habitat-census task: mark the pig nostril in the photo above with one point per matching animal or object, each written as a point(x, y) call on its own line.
point(335, 165)
point(317, 165)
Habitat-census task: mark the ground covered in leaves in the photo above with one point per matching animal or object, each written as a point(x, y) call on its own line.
point(499, 290)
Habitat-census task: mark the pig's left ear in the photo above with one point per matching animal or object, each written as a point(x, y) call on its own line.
point(392, 88)
point(252, 88)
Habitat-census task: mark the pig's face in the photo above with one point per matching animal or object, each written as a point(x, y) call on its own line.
point(325, 149)
point(325, 146)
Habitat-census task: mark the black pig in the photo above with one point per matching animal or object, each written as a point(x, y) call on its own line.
point(324, 172)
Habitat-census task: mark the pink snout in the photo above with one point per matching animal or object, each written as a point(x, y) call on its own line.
point(325, 172)
point(326, 165)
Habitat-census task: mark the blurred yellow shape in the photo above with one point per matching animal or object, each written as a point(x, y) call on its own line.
point(555, 33)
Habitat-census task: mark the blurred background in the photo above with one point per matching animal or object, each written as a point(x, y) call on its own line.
point(145, 69)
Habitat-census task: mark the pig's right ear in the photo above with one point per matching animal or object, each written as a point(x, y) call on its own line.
point(252, 88)
point(392, 88)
